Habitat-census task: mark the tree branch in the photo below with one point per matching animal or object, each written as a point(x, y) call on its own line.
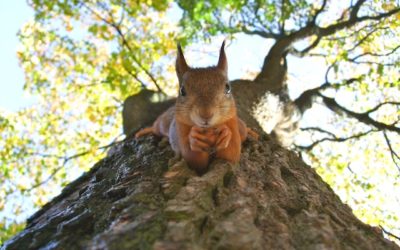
point(125, 43)
point(352, 33)
point(389, 233)
point(361, 117)
point(136, 77)
point(393, 154)
point(379, 106)
point(305, 51)
point(263, 34)
point(65, 159)
point(282, 25)
point(334, 139)
point(319, 11)
point(352, 21)
point(362, 40)
point(374, 54)
point(318, 129)
point(313, 29)
point(304, 101)
point(272, 72)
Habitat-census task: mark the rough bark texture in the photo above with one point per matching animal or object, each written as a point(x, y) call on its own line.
point(138, 198)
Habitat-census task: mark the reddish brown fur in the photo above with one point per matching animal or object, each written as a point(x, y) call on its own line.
point(204, 116)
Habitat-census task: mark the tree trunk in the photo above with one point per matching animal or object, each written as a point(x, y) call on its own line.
point(140, 198)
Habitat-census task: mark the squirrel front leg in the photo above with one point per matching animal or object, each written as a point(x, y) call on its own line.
point(246, 131)
point(229, 141)
point(193, 147)
point(160, 126)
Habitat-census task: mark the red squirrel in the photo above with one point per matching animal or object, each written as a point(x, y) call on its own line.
point(204, 120)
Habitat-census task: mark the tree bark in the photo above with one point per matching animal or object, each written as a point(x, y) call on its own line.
point(140, 198)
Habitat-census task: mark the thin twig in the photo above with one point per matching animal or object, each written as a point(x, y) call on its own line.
point(361, 117)
point(393, 153)
point(319, 130)
point(126, 44)
point(66, 159)
point(335, 139)
point(389, 233)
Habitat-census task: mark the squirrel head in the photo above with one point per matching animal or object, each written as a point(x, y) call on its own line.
point(205, 97)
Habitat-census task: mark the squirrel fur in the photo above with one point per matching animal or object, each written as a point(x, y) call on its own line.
point(203, 123)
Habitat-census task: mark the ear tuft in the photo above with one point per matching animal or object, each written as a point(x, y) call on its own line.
point(222, 61)
point(181, 66)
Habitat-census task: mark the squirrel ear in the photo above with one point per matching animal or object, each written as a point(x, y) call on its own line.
point(181, 66)
point(222, 61)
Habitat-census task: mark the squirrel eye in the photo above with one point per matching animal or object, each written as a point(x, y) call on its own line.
point(182, 91)
point(228, 88)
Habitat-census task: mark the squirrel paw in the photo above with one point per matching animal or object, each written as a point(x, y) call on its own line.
point(224, 137)
point(144, 131)
point(200, 140)
point(253, 134)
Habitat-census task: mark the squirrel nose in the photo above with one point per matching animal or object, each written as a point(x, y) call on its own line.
point(206, 116)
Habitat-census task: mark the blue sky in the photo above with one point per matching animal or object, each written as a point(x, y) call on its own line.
point(13, 14)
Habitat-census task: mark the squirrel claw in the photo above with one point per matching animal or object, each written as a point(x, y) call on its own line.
point(197, 145)
point(223, 138)
point(202, 135)
point(253, 134)
point(199, 141)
